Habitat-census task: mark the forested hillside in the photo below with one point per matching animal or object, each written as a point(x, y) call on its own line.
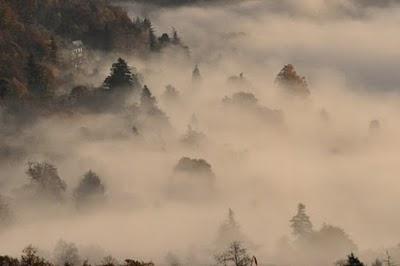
point(37, 37)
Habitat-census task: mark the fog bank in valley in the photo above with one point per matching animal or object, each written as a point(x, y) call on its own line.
point(230, 136)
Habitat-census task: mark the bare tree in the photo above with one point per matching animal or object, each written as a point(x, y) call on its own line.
point(235, 255)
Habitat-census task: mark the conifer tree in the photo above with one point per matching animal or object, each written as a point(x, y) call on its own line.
point(196, 76)
point(90, 187)
point(301, 223)
point(121, 76)
point(353, 261)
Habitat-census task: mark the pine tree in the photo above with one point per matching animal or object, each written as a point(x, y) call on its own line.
point(353, 261)
point(147, 100)
point(301, 223)
point(121, 76)
point(196, 76)
point(90, 187)
point(229, 231)
point(152, 41)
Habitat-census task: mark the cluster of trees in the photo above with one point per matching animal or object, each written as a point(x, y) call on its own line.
point(66, 254)
point(194, 166)
point(330, 241)
point(291, 82)
point(45, 184)
point(35, 40)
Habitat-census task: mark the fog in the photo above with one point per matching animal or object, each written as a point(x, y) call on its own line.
point(323, 153)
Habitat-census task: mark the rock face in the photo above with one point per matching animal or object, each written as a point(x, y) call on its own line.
point(192, 179)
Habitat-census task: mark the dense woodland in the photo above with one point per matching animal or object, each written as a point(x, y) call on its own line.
point(36, 41)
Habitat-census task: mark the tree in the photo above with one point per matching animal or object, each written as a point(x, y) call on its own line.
point(289, 80)
point(9, 261)
point(235, 255)
point(30, 258)
point(121, 76)
point(301, 223)
point(147, 99)
point(130, 262)
point(352, 261)
point(152, 38)
point(45, 180)
point(89, 188)
point(196, 76)
point(171, 94)
point(148, 103)
point(194, 166)
point(229, 230)
point(109, 261)
point(66, 254)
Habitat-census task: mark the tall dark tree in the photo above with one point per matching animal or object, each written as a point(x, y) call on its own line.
point(147, 99)
point(301, 223)
point(352, 260)
point(152, 38)
point(89, 188)
point(121, 76)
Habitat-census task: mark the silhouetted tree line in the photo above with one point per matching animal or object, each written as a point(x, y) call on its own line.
point(66, 255)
